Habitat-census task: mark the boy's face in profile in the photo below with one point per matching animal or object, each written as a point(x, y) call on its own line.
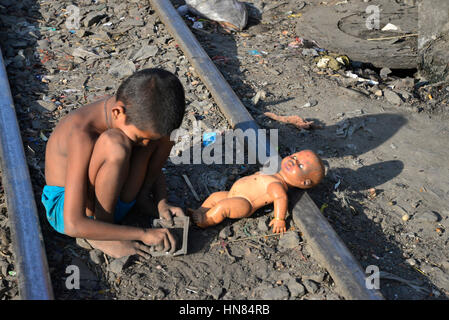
point(137, 136)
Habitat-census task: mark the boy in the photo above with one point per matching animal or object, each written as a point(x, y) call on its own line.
point(104, 157)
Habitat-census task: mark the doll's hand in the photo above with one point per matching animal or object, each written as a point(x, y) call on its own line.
point(278, 226)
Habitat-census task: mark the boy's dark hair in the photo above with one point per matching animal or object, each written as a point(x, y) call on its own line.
point(154, 99)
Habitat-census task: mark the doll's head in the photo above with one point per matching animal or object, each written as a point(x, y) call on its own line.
point(303, 169)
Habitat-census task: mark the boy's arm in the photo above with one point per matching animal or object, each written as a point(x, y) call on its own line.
point(280, 201)
point(155, 182)
point(76, 224)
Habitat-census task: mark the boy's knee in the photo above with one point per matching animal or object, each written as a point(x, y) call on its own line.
point(117, 147)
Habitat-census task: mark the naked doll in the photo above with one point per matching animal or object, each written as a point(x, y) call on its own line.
point(303, 170)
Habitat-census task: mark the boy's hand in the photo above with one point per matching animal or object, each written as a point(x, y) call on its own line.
point(159, 239)
point(167, 211)
point(278, 226)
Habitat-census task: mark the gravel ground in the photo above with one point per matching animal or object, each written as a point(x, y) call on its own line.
point(368, 135)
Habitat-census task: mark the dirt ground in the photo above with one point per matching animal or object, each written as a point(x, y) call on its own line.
point(384, 150)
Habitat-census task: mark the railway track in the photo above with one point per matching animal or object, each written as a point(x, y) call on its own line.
point(30, 257)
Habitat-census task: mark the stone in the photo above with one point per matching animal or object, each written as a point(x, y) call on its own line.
point(296, 289)
point(96, 256)
point(117, 265)
point(311, 286)
point(427, 216)
point(317, 277)
point(225, 232)
point(216, 292)
point(83, 244)
point(122, 69)
point(441, 279)
point(411, 262)
point(145, 52)
point(392, 97)
point(379, 93)
point(262, 224)
point(289, 240)
point(278, 293)
point(93, 17)
point(384, 72)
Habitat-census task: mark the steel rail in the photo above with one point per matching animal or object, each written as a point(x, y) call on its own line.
point(331, 251)
point(28, 245)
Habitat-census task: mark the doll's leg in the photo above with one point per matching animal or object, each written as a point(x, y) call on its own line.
point(233, 208)
point(211, 201)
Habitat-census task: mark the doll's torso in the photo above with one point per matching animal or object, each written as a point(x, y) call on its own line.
point(254, 189)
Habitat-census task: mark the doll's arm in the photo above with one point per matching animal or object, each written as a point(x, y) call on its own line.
point(280, 201)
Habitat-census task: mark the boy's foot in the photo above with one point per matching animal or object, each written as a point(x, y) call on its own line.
point(115, 249)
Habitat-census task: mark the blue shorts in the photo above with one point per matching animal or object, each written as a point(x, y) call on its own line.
point(53, 200)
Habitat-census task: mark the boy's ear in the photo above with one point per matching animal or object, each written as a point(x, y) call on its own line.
point(118, 108)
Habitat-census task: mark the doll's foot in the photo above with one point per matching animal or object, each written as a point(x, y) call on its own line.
point(197, 216)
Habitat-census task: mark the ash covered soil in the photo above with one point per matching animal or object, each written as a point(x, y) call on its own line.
point(385, 189)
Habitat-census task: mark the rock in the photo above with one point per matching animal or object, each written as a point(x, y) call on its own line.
point(427, 216)
point(317, 277)
point(260, 95)
point(445, 265)
point(145, 52)
point(262, 225)
point(441, 279)
point(83, 244)
point(379, 93)
point(93, 17)
point(4, 268)
point(216, 292)
point(278, 293)
point(122, 69)
point(392, 97)
point(309, 52)
point(117, 265)
point(96, 256)
point(296, 289)
point(83, 53)
point(289, 240)
point(384, 72)
point(310, 285)
point(225, 232)
point(411, 262)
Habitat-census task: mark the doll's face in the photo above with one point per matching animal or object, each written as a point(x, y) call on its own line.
point(303, 169)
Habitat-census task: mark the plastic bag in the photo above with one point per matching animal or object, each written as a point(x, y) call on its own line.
point(230, 13)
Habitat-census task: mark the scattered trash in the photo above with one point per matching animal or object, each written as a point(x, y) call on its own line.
point(197, 25)
point(189, 184)
point(294, 15)
point(231, 14)
point(335, 63)
point(297, 121)
point(350, 74)
point(323, 207)
point(259, 95)
point(43, 137)
point(209, 138)
point(254, 53)
point(390, 27)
